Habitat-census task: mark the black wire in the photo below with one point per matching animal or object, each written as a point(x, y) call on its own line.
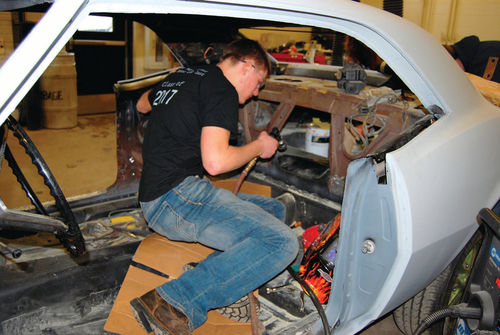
point(434, 317)
point(317, 304)
point(461, 310)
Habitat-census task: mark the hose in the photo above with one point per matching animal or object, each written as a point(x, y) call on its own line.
point(312, 295)
point(461, 310)
point(244, 174)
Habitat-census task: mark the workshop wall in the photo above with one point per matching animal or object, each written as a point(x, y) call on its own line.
point(6, 37)
point(273, 37)
point(451, 20)
point(150, 53)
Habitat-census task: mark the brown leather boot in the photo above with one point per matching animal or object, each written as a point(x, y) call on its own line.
point(156, 315)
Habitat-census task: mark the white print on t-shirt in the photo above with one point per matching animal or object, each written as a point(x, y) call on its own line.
point(164, 96)
point(172, 84)
point(198, 72)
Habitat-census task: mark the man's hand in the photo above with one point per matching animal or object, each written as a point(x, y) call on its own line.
point(268, 144)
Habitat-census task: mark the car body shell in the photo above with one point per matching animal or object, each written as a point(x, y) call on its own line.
point(436, 184)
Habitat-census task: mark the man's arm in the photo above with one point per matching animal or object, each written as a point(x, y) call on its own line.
point(143, 106)
point(220, 157)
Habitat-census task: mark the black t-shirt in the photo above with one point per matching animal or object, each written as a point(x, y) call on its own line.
point(475, 54)
point(183, 103)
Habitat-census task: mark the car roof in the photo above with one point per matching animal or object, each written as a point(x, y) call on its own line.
point(417, 58)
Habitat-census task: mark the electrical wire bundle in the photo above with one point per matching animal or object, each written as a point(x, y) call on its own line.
point(372, 123)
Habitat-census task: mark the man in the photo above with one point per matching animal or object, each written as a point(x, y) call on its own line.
point(194, 111)
point(477, 57)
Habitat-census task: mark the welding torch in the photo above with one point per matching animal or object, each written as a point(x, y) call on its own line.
point(281, 147)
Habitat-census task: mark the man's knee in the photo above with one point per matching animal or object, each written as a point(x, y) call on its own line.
point(291, 246)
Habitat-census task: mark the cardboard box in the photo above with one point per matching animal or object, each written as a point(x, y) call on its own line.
point(168, 257)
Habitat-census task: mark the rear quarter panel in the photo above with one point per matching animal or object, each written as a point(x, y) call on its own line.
point(440, 181)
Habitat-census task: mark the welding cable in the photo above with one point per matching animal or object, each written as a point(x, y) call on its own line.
point(314, 298)
point(461, 310)
point(244, 174)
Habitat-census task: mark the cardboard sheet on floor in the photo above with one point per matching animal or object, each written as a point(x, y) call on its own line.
point(168, 257)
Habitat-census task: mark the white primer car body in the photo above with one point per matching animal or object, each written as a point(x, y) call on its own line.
point(436, 184)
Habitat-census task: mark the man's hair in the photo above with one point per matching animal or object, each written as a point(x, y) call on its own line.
point(246, 48)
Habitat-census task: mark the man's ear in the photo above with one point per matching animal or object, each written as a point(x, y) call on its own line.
point(245, 67)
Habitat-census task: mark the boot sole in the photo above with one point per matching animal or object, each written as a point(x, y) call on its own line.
point(238, 311)
point(145, 319)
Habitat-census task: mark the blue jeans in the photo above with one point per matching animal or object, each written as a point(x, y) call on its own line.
point(252, 243)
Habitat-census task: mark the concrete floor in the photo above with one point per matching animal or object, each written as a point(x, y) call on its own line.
point(83, 161)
